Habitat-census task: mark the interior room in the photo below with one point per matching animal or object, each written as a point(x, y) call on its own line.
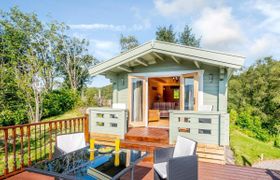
point(164, 95)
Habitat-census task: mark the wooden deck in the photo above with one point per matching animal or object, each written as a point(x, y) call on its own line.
point(147, 139)
point(206, 171)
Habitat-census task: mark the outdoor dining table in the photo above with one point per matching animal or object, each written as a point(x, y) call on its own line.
point(89, 164)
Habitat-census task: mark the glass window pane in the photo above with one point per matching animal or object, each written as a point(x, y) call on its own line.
point(189, 93)
point(137, 100)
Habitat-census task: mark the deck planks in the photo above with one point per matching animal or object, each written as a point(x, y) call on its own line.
point(206, 171)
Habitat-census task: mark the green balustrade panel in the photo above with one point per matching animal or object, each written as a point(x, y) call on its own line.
point(108, 121)
point(203, 127)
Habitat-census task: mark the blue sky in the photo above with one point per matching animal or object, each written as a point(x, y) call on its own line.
point(248, 27)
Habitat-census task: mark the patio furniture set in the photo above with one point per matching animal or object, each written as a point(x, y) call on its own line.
point(73, 159)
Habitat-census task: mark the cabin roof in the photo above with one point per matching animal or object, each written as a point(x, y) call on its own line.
point(156, 51)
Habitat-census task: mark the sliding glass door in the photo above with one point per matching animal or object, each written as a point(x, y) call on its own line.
point(137, 90)
point(189, 92)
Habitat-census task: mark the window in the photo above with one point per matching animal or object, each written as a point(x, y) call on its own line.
point(113, 116)
point(189, 93)
point(204, 131)
point(204, 120)
point(185, 130)
point(176, 93)
point(113, 124)
point(99, 123)
point(100, 115)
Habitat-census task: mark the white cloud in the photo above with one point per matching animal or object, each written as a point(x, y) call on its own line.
point(271, 11)
point(98, 27)
point(143, 24)
point(219, 29)
point(103, 49)
point(266, 45)
point(179, 7)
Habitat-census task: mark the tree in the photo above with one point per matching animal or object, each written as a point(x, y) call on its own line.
point(22, 40)
point(34, 57)
point(166, 34)
point(74, 62)
point(256, 90)
point(188, 38)
point(128, 42)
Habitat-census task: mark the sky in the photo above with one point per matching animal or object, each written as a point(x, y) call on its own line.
point(246, 27)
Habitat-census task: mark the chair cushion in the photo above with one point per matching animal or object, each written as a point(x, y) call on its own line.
point(161, 169)
point(71, 142)
point(184, 147)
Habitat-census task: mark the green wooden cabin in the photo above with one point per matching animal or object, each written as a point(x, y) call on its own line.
point(166, 85)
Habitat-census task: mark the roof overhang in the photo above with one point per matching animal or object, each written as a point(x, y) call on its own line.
point(175, 51)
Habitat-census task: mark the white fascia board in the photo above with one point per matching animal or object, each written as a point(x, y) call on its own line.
point(185, 52)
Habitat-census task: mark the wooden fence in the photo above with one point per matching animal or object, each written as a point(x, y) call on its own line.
point(23, 145)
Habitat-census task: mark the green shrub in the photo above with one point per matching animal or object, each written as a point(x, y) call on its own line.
point(9, 117)
point(262, 135)
point(251, 124)
point(58, 101)
point(233, 116)
point(245, 120)
point(277, 142)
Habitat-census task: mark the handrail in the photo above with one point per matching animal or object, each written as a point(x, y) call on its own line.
point(44, 122)
point(23, 145)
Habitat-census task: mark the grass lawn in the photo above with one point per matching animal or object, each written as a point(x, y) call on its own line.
point(67, 115)
point(247, 150)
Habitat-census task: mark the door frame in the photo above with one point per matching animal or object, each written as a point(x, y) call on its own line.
point(198, 77)
point(143, 123)
point(195, 76)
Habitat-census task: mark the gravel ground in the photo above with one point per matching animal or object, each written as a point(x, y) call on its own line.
point(270, 164)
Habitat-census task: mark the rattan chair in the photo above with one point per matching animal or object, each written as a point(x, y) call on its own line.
point(178, 163)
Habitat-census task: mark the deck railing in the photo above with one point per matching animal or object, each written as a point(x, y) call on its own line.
point(108, 121)
point(203, 127)
point(23, 145)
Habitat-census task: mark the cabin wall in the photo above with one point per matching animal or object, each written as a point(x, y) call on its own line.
point(214, 90)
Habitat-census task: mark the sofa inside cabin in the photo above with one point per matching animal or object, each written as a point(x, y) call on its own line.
point(164, 95)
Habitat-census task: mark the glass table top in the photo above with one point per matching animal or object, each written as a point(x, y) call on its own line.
point(86, 164)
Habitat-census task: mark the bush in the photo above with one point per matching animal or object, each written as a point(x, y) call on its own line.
point(277, 142)
point(252, 125)
point(233, 116)
point(58, 102)
point(245, 120)
point(9, 117)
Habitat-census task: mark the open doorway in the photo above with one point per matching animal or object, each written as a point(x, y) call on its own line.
point(163, 95)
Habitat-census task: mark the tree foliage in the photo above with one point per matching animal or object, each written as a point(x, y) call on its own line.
point(128, 42)
point(255, 95)
point(166, 34)
point(74, 62)
point(188, 38)
point(35, 58)
point(185, 38)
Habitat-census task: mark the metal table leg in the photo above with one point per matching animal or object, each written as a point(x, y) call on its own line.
point(132, 173)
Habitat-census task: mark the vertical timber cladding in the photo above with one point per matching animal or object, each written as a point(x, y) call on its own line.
point(222, 99)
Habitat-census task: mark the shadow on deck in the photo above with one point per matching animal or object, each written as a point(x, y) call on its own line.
point(206, 171)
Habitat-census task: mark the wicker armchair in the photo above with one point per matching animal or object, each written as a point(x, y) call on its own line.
point(176, 163)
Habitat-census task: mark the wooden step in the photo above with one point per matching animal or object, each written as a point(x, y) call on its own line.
point(155, 135)
point(211, 153)
point(142, 145)
point(148, 147)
